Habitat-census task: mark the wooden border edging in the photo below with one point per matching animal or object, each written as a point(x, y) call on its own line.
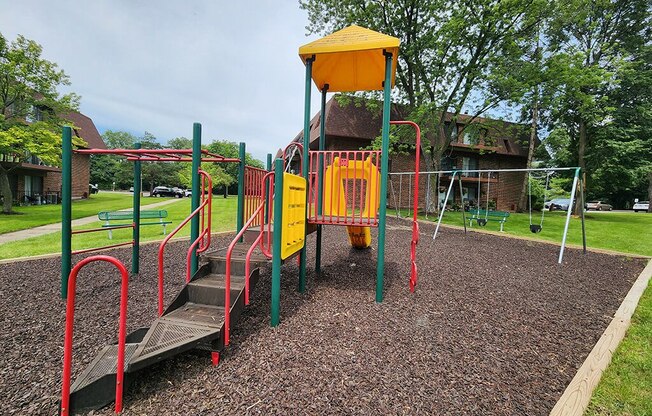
point(578, 394)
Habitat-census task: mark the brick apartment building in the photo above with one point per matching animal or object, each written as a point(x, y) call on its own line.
point(488, 144)
point(33, 182)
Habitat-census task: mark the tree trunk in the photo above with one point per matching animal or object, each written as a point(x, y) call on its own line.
point(523, 199)
point(6, 191)
point(649, 189)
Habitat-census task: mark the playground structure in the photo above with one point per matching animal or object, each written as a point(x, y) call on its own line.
point(480, 215)
point(276, 211)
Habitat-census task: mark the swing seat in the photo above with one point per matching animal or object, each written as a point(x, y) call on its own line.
point(535, 228)
point(482, 222)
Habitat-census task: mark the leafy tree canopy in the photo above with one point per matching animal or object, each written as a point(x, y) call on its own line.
point(30, 108)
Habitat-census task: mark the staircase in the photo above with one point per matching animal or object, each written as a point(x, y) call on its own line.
point(195, 319)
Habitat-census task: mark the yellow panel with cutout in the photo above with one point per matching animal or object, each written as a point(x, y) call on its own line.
point(293, 221)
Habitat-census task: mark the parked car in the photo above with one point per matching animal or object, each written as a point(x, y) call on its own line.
point(93, 189)
point(187, 193)
point(598, 206)
point(166, 191)
point(557, 203)
point(641, 206)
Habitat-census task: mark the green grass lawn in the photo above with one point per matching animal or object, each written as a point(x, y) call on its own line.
point(36, 215)
point(223, 219)
point(626, 385)
point(606, 230)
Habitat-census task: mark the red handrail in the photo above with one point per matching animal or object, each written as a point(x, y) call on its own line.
point(415, 204)
point(353, 188)
point(70, 320)
point(206, 202)
point(266, 222)
point(229, 252)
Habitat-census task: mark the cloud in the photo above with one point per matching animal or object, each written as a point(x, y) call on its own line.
point(160, 66)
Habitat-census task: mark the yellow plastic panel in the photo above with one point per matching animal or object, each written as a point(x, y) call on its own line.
point(293, 218)
point(334, 197)
point(351, 59)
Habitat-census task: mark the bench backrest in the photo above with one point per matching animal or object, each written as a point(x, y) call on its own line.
point(484, 213)
point(129, 215)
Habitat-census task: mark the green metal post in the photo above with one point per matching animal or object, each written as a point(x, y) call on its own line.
point(276, 244)
point(269, 169)
point(384, 166)
point(196, 193)
point(305, 173)
point(320, 175)
point(241, 191)
point(66, 209)
point(135, 250)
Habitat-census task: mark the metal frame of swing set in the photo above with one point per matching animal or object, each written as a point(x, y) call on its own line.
point(458, 172)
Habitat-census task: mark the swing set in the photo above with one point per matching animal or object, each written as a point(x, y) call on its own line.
point(480, 216)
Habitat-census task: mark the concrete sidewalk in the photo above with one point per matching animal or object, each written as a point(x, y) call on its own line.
point(53, 228)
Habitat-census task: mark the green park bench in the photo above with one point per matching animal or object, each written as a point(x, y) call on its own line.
point(481, 216)
point(122, 216)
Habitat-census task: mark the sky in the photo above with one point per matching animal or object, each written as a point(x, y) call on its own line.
point(159, 66)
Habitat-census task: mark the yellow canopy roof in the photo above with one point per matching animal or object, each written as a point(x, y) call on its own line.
point(351, 59)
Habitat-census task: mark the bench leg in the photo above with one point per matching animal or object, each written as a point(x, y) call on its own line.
point(110, 231)
point(164, 225)
point(501, 227)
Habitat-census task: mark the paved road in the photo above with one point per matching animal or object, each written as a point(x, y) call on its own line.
point(53, 228)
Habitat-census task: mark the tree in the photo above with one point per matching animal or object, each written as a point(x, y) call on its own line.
point(30, 108)
point(180, 143)
point(591, 40)
point(452, 58)
point(621, 157)
point(230, 149)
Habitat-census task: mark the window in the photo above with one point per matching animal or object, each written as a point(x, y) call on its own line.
point(453, 131)
point(470, 135)
point(447, 163)
point(470, 163)
point(508, 147)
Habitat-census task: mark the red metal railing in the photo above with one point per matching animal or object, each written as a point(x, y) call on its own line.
point(70, 320)
point(359, 209)
point(415, 204)
point(252, 191)
point(203, 240)
point(259, 215)
point(94, 230)
point(266, 225)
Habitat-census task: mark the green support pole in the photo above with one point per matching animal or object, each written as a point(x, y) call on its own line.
point(241, 196)
point(196, 193)
point(276, 244)
point(66, 209)
point(305, 173)
point(269, 169)
point(384, 166)
point(135, 250)
point(320, 175)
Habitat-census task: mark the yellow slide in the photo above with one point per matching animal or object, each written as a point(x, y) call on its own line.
point(335, 202)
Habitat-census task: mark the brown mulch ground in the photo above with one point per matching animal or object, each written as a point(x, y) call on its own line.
point(496, 326)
